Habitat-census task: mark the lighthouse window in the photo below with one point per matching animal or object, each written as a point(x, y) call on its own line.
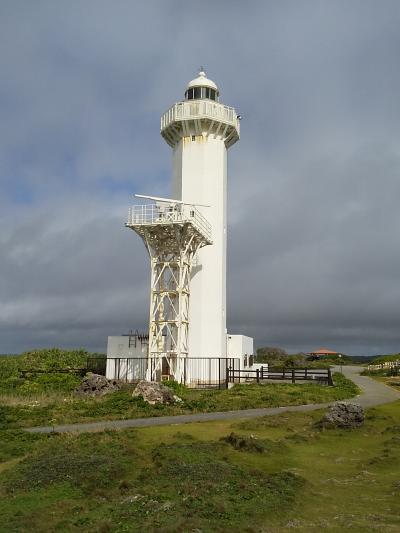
point(198, 93)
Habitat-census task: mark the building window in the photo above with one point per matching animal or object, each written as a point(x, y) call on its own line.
point(193, 137)
point(197, 93)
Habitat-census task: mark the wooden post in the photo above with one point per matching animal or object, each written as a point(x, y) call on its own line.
point(227, 377)
point(293, 375)
point(305, 373)
point(258, 375)
point(330, 380)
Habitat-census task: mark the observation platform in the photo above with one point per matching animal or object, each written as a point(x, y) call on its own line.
point(169, 225)
point(200, 117)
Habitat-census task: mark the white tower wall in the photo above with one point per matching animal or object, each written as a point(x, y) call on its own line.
point(200, 130)
point(200, 176)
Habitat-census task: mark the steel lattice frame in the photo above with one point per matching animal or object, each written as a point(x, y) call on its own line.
point(172, 246)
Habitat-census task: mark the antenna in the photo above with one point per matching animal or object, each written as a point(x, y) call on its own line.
point(168, 200)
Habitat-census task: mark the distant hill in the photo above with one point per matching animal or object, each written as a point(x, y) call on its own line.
point(361, 359)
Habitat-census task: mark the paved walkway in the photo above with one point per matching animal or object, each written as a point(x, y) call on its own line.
point(374, 393)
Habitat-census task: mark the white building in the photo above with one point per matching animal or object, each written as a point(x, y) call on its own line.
point(187, 237)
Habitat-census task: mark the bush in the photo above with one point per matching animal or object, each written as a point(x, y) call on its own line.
point(37, 383)
point(44, 360)
point(9, 366)
point(53, 359)
point(244, 443)
point(386, 359)
point(269, 354)
point(178, 388)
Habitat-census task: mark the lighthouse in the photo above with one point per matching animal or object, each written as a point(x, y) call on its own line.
point(186, 238)
point(200, 130)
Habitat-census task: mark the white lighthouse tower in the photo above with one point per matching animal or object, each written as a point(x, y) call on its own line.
point(200, 130)
point(186, 238)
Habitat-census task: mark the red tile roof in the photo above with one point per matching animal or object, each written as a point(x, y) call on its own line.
point(324, 351)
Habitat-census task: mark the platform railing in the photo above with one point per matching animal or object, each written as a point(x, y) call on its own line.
point(200, 109)
point(168, 213)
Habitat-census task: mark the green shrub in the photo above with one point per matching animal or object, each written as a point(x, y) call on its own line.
point(40, 383)
point(9, 366)
point(53, 359)
point(178, 388)
point(244, 443)
point(12, 381)
point(386, 359)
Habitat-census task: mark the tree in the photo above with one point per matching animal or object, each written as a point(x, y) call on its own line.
point(268, 354)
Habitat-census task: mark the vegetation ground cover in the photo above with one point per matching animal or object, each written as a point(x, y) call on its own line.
point(386, 358)
point(52, 407)
point(385, 377)
point(196, 477)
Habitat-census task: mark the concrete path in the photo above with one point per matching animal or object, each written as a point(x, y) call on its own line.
point(374, 393)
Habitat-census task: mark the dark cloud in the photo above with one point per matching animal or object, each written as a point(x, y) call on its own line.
point(313, 184)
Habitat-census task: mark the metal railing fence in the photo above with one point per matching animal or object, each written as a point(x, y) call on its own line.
point(153, 214)
point(198, 372)
point(319, 375)
point(200, 109)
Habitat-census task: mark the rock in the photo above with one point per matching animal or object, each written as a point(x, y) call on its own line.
point(153, 392)
point(343, 415)
point(96, 385)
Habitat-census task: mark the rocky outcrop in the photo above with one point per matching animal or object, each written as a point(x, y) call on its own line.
point(96, 385)
point(153, 392)
point(343, 415)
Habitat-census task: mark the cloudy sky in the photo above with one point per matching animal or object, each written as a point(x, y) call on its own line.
point(314, 185)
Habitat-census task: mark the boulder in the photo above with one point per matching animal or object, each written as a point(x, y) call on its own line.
point(343, 415)
point(153, 392)
point(96, 385)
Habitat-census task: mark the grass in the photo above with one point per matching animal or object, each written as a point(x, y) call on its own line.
point(392, 381)
point(54, 408)
point(269, 474)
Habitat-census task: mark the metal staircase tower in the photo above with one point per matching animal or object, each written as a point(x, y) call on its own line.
point(172, 233)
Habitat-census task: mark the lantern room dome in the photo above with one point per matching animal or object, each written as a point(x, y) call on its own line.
point(201, 88)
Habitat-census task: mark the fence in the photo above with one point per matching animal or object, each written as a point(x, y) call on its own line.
point(198, 372)
point(168, 213)
point(388, 365)
point(320, 375)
